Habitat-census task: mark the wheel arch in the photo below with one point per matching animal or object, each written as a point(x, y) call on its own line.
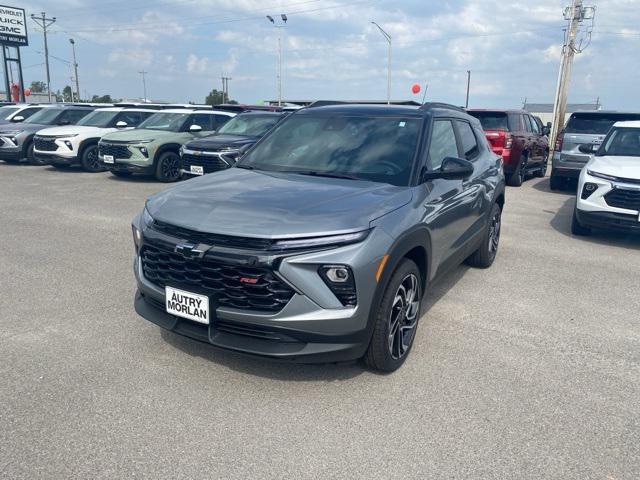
point(166, 147)
point(86, 143)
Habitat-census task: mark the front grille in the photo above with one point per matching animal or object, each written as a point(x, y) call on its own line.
point(623, 198)
point(209, 163)
point(266, 292)
point(193, 236)
point(115, 150)
point(45, 144)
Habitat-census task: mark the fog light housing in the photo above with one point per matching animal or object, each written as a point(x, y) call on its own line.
point(144, 151)
point(340, 280)
point(587, 189)
point(68, 144)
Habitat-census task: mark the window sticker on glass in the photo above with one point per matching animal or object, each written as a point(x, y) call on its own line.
point(401, 124)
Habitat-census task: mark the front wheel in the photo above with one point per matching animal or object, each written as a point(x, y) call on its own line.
point(31, 158)
point(168, 167)
point(396, 320)
point(90, 161)
point(542, 171)
point(486, 253)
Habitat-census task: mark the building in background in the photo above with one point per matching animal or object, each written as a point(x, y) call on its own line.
point(545, 110)
point(33, 98)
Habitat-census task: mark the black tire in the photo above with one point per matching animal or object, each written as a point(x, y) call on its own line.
point(577, 228)
point(31, 159)
point(168, 167)
point(517, 177)
point(556, 183)
point(89, 159)
point(542, 171)
point(484, 256)
point(395, 322)
point(120, 174)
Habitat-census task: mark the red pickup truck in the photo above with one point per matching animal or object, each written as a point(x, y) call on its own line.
point(519, 138)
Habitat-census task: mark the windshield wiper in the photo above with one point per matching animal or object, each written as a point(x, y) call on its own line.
point(314, 173)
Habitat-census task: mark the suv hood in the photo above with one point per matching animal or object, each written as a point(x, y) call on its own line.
point(73, 130)
point(616, 166)
point(138, 134)
point(217, 142)
point(22, 127)
point(270, 204)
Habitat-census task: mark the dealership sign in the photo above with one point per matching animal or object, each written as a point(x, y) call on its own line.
point(13, 26)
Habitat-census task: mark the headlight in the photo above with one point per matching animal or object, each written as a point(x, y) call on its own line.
point(145, 221)
point(601, 175)
point(312, 242)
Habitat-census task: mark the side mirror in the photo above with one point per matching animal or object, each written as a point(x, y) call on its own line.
point(587, 148)
point(122, 124)
point(452, 168)
point(546, 130)
point(17, 118)
point(195, 128)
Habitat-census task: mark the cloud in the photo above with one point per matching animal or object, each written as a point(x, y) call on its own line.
point(197, 65)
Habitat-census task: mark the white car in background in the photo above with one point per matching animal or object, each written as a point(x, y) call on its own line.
point(18, 112)
point(78, 144)
point(608, 193)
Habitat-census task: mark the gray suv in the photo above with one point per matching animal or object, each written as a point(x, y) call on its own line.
point(319, 244)
point(578, 141)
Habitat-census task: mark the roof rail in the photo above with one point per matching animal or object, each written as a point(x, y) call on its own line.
point(430, 105)
point(324, 103)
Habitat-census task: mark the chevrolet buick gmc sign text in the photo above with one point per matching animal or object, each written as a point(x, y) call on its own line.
point(13, 26)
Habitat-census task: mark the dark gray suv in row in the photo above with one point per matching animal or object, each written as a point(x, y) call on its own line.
point(320, 243)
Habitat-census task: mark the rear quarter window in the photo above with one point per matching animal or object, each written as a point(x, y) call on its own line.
point(595, 123)
point(492, 120)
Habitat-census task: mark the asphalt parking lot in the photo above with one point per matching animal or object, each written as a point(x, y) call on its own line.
point(530, 369)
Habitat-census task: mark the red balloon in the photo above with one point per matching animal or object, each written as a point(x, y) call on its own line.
point(27, 92)
point(415, 88)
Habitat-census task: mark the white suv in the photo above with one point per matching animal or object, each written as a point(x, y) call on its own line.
point(78, 144)
point(609, 187)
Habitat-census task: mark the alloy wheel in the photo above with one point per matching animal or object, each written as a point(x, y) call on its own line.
point(403, 317)
point(170, 168)
point(494, 233)
point(93, 163)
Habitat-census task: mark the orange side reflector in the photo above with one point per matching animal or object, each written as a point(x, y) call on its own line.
point(383, 262)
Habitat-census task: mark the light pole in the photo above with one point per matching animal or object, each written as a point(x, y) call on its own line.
point(387, 37)
point(466, 104)
point(43, 22)
point(144, 83)
point(279, 26)
point(75, 68)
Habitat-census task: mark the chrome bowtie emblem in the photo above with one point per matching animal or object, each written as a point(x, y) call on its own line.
point(189, 250)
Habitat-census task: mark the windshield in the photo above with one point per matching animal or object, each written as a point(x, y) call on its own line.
point(492, 120)
point(379, 149)
point(250, 125)
point(46, 116)
point(595, 123)
point(6, 111)
point(169, 121)
point(98, 119)
point(621, 142)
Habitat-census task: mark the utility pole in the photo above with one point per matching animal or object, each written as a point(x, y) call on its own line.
point(75, 68)
point(144, 84)
point(279, 26)
point(387, 37)
point(575, 15)
point(43, 22)
point(466, 103)
point(225, 88)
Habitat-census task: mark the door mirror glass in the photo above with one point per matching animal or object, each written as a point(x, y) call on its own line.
point(17, 118)
point(546, 130)
point(587, 148)
point(195, 128)
point(452, 168)
point(122, 124)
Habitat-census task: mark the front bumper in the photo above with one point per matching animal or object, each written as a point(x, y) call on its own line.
point(135, 161)
point(609, 220)
point(55, 158)
point(312, 327)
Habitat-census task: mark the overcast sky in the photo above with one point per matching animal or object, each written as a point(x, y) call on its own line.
point(332, 51)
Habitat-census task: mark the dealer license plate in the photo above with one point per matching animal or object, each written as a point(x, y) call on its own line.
point(197, 170)
point(109, 159)
point(187, 305)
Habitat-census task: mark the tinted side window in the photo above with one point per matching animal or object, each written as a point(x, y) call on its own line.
point(133, 119)
point(443, 143)
point(72, 116)
point(468, 140)
point(27, 112)
point(202, 119)
point(219, 120)
point(515, 122)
